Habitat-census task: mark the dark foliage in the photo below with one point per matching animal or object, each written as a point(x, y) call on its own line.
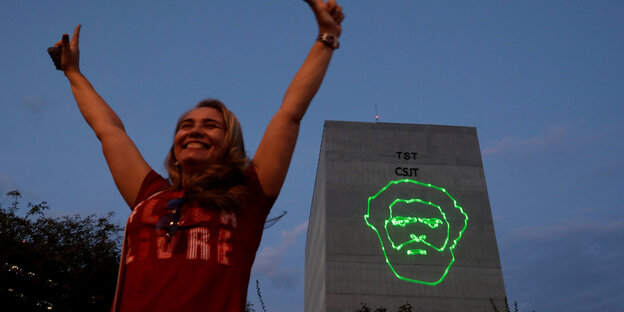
point(56, 264)
point(495, 308)
point(249, 307)
point(260, 296)
point(363, 308)
point(404, 308)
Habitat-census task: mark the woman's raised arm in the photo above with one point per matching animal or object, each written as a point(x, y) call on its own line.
point(274, 153)
point(124, 160)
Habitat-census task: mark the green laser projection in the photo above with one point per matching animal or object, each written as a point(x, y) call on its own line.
point(422, 223)
point(403, 221)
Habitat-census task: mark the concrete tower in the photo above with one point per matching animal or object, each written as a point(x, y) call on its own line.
point(400, 213)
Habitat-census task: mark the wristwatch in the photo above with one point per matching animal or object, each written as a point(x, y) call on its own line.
point(329, 40)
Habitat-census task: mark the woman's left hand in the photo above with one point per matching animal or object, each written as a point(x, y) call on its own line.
point(328, 16)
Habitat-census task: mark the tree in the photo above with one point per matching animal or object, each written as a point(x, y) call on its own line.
point(404, 308)
point(495, 308)
point(60, 264)
point(260, 296)
point(249, 307)
point(363, 308)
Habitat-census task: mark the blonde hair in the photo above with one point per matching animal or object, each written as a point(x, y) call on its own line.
point(218, 184)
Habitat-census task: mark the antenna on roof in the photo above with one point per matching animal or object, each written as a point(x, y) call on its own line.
point(376, 115)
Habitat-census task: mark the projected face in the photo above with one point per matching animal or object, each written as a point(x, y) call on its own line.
point(415, 229)
point(418, 226)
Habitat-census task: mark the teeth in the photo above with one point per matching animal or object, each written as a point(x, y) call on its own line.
point(195, 145)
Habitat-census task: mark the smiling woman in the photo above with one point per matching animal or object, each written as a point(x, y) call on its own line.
point(191, 239)
point(208, 147)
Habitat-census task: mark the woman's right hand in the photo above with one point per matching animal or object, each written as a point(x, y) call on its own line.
point(70, 58)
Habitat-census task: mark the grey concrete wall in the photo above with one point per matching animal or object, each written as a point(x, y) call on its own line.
point(314, 285)
point(348, 262)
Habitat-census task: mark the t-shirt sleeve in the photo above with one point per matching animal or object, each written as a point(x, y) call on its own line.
point(152, 184)
point(253, 184)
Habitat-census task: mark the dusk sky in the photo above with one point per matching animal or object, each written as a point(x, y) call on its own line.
point(542, 81)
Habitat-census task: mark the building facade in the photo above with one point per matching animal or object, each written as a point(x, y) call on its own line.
point(401, 214)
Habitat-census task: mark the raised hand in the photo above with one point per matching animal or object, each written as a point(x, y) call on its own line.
point(328, 16)
point(70, 57)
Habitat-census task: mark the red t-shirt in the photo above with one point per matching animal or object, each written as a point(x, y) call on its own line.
point(205, 266)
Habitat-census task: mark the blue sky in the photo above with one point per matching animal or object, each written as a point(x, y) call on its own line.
point(543, 82)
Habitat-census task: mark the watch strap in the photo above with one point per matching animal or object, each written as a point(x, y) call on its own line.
point(329, 40)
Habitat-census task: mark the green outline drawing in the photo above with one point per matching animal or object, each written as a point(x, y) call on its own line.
point(403, 221)
point(433, 223)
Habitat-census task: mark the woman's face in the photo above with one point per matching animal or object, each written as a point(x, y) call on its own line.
point(200, 139)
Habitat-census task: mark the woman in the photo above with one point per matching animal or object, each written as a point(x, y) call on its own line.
point(191, 240)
